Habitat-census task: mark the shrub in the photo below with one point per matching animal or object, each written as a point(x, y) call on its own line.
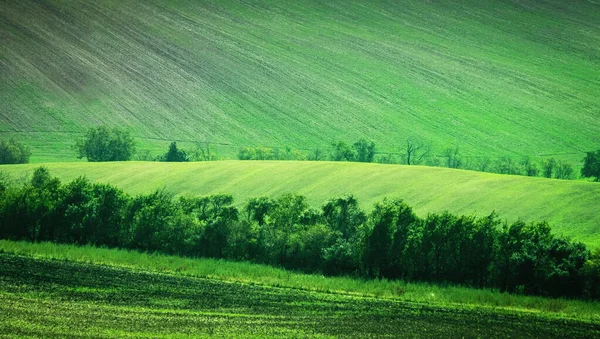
point(13, 152)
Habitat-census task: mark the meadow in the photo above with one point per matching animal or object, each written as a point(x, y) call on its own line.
point(497, 78)
point(49, 289)
point(565, 204)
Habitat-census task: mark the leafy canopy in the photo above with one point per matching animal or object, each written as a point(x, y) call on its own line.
point(104, 144)
point(591, 165)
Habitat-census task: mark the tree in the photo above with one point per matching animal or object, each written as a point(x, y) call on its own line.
point(549, 166)
point(13, 152)
point(104, 144)
point(174, 154)
point(365, 150)
point(342, 152)
point(416, 150)
point(563, 171)
point(531, 169)
point(390, 222)
point(506, 165)
point(453, 158)
point(591, 165)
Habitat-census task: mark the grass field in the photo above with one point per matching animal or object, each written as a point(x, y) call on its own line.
point(569, 206)
point(495, 77)
point(54, 290)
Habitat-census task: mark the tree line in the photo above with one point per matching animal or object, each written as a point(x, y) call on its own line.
point(416, 152)
point(339, 238)
point(105, 144)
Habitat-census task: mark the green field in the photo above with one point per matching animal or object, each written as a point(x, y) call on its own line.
point(495, 77)
point(567, 205)
point(107, 293)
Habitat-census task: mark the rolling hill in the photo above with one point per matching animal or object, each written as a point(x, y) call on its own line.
point(569, 206)
point(498, 78)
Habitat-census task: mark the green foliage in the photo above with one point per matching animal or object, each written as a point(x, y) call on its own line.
point(530, 168)
point(341, 151)
point(364, 150)
point(416, 150)
point(361, 151)
point(174, 154)
point(453, 157)
point(339, 239)
point(104, 144)
point(266, 153)
point(549, 167)
point(13, 152)
point(591, 165)
point(566, 205)
point(563, 171)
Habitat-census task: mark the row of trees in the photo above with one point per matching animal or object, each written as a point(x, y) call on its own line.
point(417, 152)
point(337, 239)
point(104, 144)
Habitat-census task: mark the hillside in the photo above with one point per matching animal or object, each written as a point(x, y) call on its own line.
point(569, 206)
point(495, 77)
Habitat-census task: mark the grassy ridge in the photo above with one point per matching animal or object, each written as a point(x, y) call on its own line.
point(175, 293)
point(496, 77)
point(567, 205)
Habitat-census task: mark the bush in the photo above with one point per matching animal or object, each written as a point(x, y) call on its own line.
point(104, 144)
point(13, 152)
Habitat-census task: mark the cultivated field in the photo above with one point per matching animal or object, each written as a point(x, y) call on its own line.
point(44, 297)
point(498, 78)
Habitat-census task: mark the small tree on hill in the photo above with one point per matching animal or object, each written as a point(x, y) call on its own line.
point(365, 150)
point(549, 167)
point(104, 144)
point(342, 152)
point(13, 152)
point(591, 165)
point(174, 154)
point(415, 151)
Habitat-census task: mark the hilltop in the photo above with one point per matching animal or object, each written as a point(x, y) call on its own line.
point(566, 205)
point(498, 78)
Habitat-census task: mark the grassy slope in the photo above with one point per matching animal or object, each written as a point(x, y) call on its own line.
point(570, 206)
point(155, 296)
point(497, 77)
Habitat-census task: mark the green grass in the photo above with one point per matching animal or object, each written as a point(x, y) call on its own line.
point(569, 206)
point(496, 77)
point(54, 290)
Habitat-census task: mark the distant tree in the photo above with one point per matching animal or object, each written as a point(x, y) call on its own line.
point(416, 150)
point(203, 152)
point(342, 152)
point(13, 152)
point(530, 168)
point(104, 144)
point(506, 165)
point(316, 154)
point(174, 154)
point(484, 164)
point(549, 167)
point(453, 157)
point(563, 171)
point(364, 150)
point(591, 165)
